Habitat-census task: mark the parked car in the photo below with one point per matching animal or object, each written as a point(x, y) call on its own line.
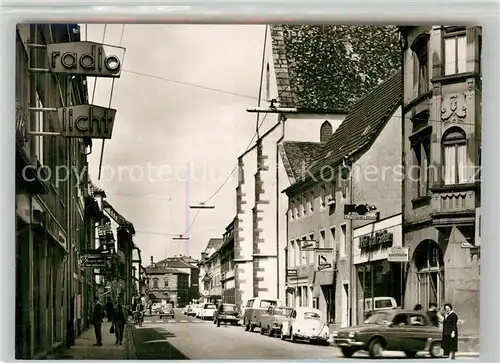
point(207, 311)
point(255, 308)
point(198, 310)
point(155, 308)
point(399, 330)
point(379, 303)
point(272, 320)
point(167, 310)
point(191, 310)
point(305, 323)
point(227, 313)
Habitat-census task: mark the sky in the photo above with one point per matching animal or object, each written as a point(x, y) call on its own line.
point(173, 145)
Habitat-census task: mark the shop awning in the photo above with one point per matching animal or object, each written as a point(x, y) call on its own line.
point(323, 278)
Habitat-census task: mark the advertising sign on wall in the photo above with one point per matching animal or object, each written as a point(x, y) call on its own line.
point(324, 258)
point(85, 58)
point(87, 121)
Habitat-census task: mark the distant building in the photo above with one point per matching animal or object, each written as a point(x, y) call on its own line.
point(227, 270)
point(210, 271)
point(167, 284)
point(188, 265)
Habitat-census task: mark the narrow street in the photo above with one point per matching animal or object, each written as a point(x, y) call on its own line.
point(190, 338)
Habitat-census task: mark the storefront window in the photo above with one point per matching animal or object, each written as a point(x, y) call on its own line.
point(377, 279)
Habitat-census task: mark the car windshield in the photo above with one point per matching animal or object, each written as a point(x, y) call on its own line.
point(311, 315)
point(229, 308)
point(282, 311)
point(209, 306)
point(379, 318)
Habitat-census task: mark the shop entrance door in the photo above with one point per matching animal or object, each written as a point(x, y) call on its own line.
point(329, 294)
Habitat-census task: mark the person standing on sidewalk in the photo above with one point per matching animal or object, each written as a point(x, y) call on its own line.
point(450, 332)
point(110, 309)
point(120, 318)
point(97, 317)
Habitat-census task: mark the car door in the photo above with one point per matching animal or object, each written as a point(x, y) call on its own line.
point(266, 317)
point(397, 333)
point(418, 332)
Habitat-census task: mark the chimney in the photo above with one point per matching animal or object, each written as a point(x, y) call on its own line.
point(151, 259)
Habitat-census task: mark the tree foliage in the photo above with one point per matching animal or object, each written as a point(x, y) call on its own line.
point(331, 67)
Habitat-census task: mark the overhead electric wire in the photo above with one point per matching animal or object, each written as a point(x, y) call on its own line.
point(190, 84)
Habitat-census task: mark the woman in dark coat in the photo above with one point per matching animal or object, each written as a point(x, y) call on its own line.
point(450, 332)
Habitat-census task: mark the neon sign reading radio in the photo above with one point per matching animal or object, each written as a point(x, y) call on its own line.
point(96, 60)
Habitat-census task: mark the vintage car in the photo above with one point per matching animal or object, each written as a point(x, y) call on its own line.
point(227, 313)
point(207, 311)
point(167, 310)
point(272, 320)
point(255, 308)
point(305, 323)
point(396, 330)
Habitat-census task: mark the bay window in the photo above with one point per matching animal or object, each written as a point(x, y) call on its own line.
point(455, 54)
point(455, 157)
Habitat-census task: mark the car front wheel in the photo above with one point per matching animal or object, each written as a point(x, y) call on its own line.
point(347, 352)
point(435, 350)
point(376, 349)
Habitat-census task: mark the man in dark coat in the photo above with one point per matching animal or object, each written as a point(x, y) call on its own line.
point(110, 309)
point(97, 316)
point(450, 332)
point(119, 320)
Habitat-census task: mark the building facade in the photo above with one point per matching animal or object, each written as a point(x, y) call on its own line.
point(210, 272)
point(307, 103)
point(51, 223)
point(357, 165)
point(167, 285)
point(188, 265)
point(226, 252)
point(442, 146)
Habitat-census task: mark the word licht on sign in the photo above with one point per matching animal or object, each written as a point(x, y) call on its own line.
point(86, 58)
point(87, 121)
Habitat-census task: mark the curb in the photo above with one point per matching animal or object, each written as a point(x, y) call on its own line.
point(130, 343)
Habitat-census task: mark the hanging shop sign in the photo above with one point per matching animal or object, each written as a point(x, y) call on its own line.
point(86, 121)
point(324, 258)
point(360, 212)
point(94, 260)
point(398, 254)
point(291, 273)
point(381, 239)
point(308, 245)
point(85, 58)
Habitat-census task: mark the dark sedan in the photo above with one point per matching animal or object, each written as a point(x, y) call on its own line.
point(397, 330)
point(227, 313)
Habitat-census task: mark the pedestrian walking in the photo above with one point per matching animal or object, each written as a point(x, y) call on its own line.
point(432, 314)
point(450, 332)
point(97, 317)
point(110, 309)
point(120, 318)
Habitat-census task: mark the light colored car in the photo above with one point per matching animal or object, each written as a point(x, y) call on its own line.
point(255, 308)
point(379, 303)
point(207, 311)
point(167, 310)
point(197, 310)
point(272, 320)
point(305, 323)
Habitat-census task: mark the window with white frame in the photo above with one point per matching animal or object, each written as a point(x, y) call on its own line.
point(343, 244)
point(311, 201)
point(455, 157)
point(39, 127)
point(422, 162)
point(311, 253)
point(299, 255)
point(455, 54)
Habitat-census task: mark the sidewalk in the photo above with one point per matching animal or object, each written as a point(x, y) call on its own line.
point(84, 346)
